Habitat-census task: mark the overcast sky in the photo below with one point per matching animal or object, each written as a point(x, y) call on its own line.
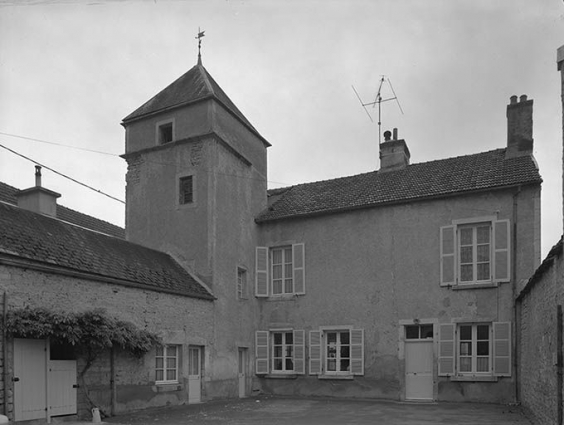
point(70, 71)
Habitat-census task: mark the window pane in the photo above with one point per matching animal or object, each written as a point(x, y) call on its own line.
point(171, 350)
point(483, 348)
point(345, 338)
point(466, 364)
point(412, 332)
point(465, 332)
point(483, 234)
point(482, 364)
point(465, 348)
point(289, 337)
point(277, 338)
point(288, 255)
point(345, 352)
point(426, 331)
point(276, 256)
point(331, 337)
point(466, 236)
point(466, 274)
point(289, 364)
point(466, 254)
point(484, 271)
point(277, 364)
point(277, 287)
point(483, 253)
point(160, 363)
point(277, 351)
point(277, 272)
point(483, 332)
point(331, 365)
point(159, 351)
point(289, 351)
point(171, 363)
point(171, 375)
point(344, 365)
point(159, 376)
point(288, 287)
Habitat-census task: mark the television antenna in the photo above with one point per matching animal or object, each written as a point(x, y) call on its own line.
point(378, 101)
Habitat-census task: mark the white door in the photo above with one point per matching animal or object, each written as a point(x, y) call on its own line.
point(419, 370)
point(242, 373)
point(194, 375)
point(62, 387)
point(30, 379)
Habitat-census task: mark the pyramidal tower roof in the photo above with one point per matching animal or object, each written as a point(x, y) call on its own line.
point(196, 85)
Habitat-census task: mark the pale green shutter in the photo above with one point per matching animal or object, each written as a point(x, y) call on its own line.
point(261, 272)
point(298, 262)
point(299, 352)
point(448, 255)
point(315, 352)
point(501, 251)
point(261, 352)
point(447, 343)
point(357, 351)
point(502, 348)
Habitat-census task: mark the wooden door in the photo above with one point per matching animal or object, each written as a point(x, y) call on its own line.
point(30, 379)
point(419, 370)
point(242, 372)
point(194, 375)
point(62, 387)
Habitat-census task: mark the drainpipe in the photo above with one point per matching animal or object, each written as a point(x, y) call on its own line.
point(112, 382)
point(5, 352)
point(516, 318)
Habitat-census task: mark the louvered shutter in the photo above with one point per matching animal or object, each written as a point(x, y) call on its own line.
point(261, 272)
point(357, 351)
point(298, 262)
point(299, 352)
point(448, 255)
point(315, 352)
point(502, 348)
point(261, 352)
point(447, 343)
point(501, 252)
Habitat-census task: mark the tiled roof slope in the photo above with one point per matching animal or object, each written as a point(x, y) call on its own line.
point(450, 176)
point(195, 85)
point(51, 242)
point(8, 194)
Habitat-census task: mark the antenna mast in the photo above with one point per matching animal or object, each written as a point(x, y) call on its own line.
point(378, 101)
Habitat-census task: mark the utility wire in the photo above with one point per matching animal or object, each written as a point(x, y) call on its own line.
point(62, 175)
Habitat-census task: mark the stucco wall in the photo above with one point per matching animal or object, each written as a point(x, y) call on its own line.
point(373, 268)
point(539, 345)
point(177, 319)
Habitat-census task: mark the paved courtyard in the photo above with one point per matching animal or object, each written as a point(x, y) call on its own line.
point(294, 411)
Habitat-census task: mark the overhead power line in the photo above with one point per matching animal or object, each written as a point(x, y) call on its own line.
point(61, 174)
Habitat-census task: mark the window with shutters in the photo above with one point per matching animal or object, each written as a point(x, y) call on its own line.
point(166, 364)
point(474, 253)
point(280, 270)
point(475, 349)
point(335, 352)
point(280, 352)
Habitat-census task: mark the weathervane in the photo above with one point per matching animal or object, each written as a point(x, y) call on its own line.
point(199, 37)
point(378, 101)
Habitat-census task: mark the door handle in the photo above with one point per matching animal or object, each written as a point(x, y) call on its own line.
point(15, 379)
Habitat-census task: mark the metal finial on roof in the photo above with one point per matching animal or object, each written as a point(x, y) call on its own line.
point(199, 37)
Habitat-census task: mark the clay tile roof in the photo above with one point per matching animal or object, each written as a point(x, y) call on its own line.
point(47, 241)
point(8, 194)
point(195, 85)
point(444, 177)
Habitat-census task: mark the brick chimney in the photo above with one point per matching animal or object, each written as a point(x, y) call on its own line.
point(394, 154)
point(519, 127)
point(38, 199)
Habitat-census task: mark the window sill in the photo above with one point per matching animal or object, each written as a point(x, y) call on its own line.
point(165, 387)
point(336, 377)
point(283, 298)
point(462, 378)
point(280, 376)
point(463, 286)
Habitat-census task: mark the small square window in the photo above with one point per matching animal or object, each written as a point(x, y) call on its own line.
point(186, 190)
point(165, 133)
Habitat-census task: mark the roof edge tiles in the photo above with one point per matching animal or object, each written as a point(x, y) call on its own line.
point(421, 181)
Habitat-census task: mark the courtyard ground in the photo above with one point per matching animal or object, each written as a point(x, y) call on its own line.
point(308, 411)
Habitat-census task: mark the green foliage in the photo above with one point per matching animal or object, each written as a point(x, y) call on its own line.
point(90, 332)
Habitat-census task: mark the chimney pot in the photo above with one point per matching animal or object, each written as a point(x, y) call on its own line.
point(523, 98)
point(387, 135)
point(38, 176)
point(395, 136)
point(513, 100)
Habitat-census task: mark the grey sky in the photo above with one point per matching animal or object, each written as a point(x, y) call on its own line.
point(71, 70)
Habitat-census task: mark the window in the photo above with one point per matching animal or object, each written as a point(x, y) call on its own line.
point(475, 349)
point(241, 283)
point(475, 252)
point(165, 133)
point(186, 190)
point(166, 364)
point(280, 270)
point(336, 352)
point(419, 332)
point(280, 352)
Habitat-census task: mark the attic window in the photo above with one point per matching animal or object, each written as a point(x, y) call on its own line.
point(165, 133)
point(186, 190)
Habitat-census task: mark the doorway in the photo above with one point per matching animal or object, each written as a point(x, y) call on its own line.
point(194, 375)
point(242, 372)
point(419, 362)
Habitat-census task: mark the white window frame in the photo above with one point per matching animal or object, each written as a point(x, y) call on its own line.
point(318, 348)
point(285, 252)
point(264, 352)
point(474, 245)
point(293, 258)
point(474, 350)
point(165, 356)
point(338, 347)
point(158, 131)
point(284, 346)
